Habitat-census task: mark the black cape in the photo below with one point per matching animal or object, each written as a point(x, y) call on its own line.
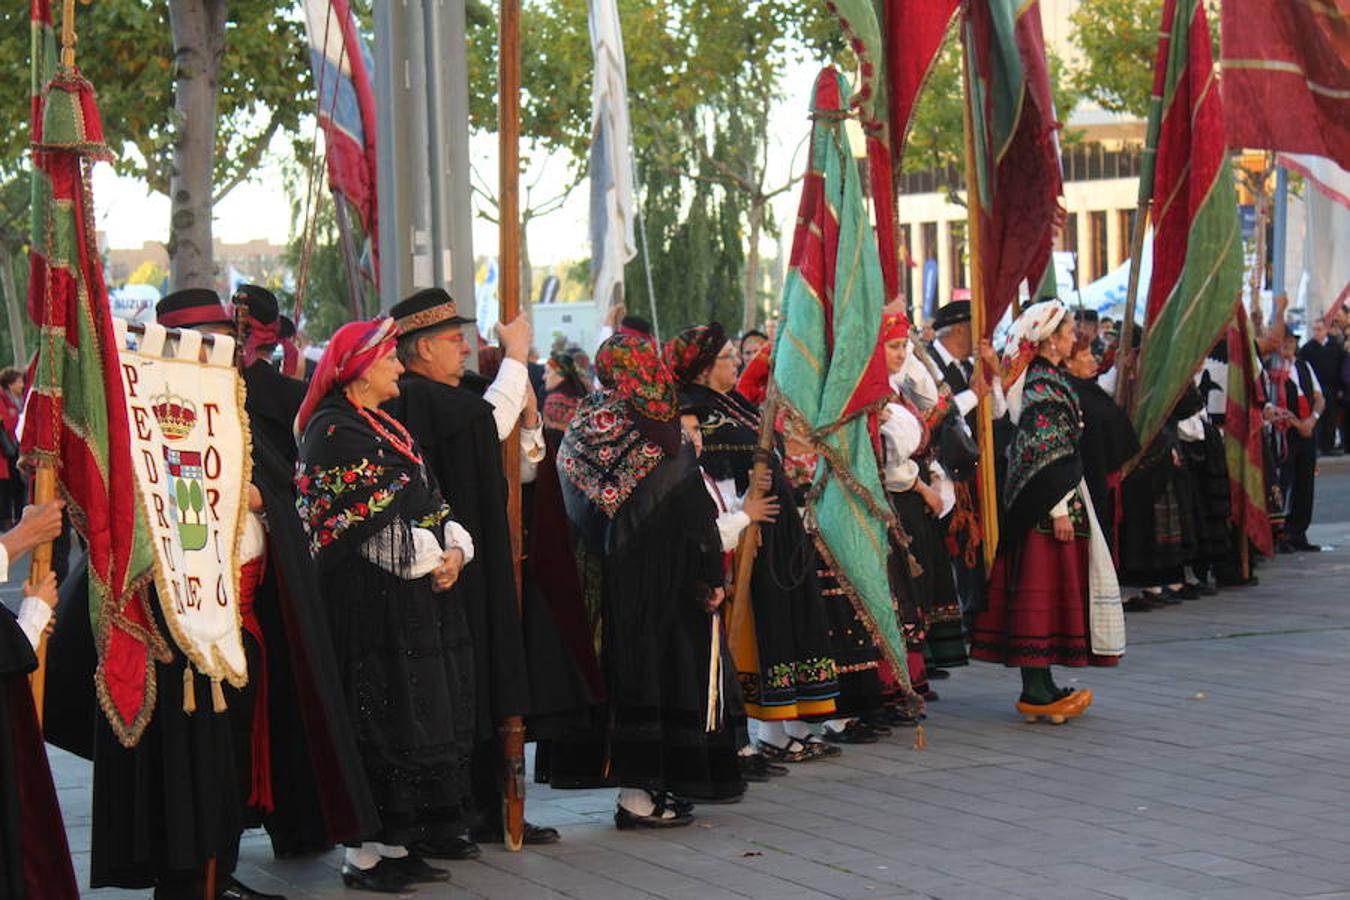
point(455, 428)
point(1107, 443)
point(34, 858)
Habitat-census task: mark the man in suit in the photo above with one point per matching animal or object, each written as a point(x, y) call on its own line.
point(1325, 354)
point(1300, 404)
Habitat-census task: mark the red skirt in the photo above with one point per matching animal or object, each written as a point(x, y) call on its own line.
point(1037, 613)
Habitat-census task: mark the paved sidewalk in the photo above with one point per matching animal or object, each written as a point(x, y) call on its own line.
point(1215, 763)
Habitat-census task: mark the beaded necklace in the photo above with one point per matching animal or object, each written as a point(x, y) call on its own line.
point(398, 438)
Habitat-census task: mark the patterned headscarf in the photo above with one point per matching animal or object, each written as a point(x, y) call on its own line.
point(693, 351)
point(1038, 322)
point(629, 365)
point(353, 349)
point(621, 433)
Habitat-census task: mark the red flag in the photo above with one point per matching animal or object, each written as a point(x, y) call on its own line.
point(1286, 76)
point(1242, 437)
point(1016, 151)
point(914, 32)
point(76, 419)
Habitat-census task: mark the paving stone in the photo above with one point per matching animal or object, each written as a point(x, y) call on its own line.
point(1154, 795)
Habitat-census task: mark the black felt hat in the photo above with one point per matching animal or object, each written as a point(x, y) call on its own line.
point(192, 308)
point(261, 303)
point(428, 308)
point(953, 313)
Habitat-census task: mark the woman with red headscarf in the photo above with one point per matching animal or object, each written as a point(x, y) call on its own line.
point(388, 557)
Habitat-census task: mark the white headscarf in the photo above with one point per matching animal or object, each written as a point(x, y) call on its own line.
point(1037, 322)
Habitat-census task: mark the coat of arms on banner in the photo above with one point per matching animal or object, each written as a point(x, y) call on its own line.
point(190, 446)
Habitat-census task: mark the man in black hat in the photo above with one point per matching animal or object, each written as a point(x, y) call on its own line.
point(460, 423)
point(953, 349)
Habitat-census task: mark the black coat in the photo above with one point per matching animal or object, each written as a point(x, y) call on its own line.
point(1325, 360)
point(455, 428)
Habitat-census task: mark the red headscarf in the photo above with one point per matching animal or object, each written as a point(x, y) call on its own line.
point(894, 326)
point(353, 349)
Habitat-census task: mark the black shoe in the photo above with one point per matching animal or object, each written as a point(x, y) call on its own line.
point(896, 715)
point(878, 726)
point(417, 870)
point(938, 674)
point(627, 820)
point(1302, 546)
point(457, 847)
point(1206, 589)
point(1168, 597)
point(931, 696)
point(535, 835)
point(1188, 591)
point(1138, 605)
point(381, 878)
point(754, 767)
point(854, 732)
point(1284, 547)
point(236, 891)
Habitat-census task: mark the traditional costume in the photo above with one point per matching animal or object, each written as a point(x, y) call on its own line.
point(378, 528)
point(301, 773)
point(460, 431)
point(1051, 602)
point(932, 609)
point(34, 857)
point(652, 558)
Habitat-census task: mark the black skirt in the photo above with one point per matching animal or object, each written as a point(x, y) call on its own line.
point(406, 657)
point(938, 605)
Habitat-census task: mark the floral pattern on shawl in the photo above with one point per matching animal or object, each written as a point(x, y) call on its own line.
point(604, 454)
point(631, 367)
point(333, 499)
point(1048, 430)
point(694, 350)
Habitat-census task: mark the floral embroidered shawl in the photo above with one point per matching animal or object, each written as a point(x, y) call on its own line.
point(1043, 461)
point(351, 484)
point(620, 433)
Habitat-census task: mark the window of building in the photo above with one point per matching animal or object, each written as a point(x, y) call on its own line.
point(956, 253)
point(1097, 261)
point(1126, 231)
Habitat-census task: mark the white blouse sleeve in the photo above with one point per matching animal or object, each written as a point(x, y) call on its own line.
point(902, 434)
point(33, 618)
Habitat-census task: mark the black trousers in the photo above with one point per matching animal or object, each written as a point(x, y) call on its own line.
point(1297, 481)
point(1325, 432)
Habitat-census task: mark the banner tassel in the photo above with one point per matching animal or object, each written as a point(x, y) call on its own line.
point(920, 739)
point(217, 696)
point(189, 691)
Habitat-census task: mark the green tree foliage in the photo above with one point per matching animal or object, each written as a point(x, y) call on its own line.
point(1118, 40)
point(126, 51)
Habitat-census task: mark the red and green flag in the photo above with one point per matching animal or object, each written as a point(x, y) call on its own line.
point(1016, 149)
point(1243, 436)
point(1197, 258)
point(76, 419)
point(827, 371)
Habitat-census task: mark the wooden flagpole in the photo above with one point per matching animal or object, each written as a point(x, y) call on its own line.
point(508, 205)
point(1125, 349)
point(44, 476)
point(987, 486)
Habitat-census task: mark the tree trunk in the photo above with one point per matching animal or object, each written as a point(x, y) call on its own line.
point(13, 306)
point(199, 45)
point(750, 314)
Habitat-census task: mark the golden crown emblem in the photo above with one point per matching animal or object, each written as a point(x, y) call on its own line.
point(176, 415)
